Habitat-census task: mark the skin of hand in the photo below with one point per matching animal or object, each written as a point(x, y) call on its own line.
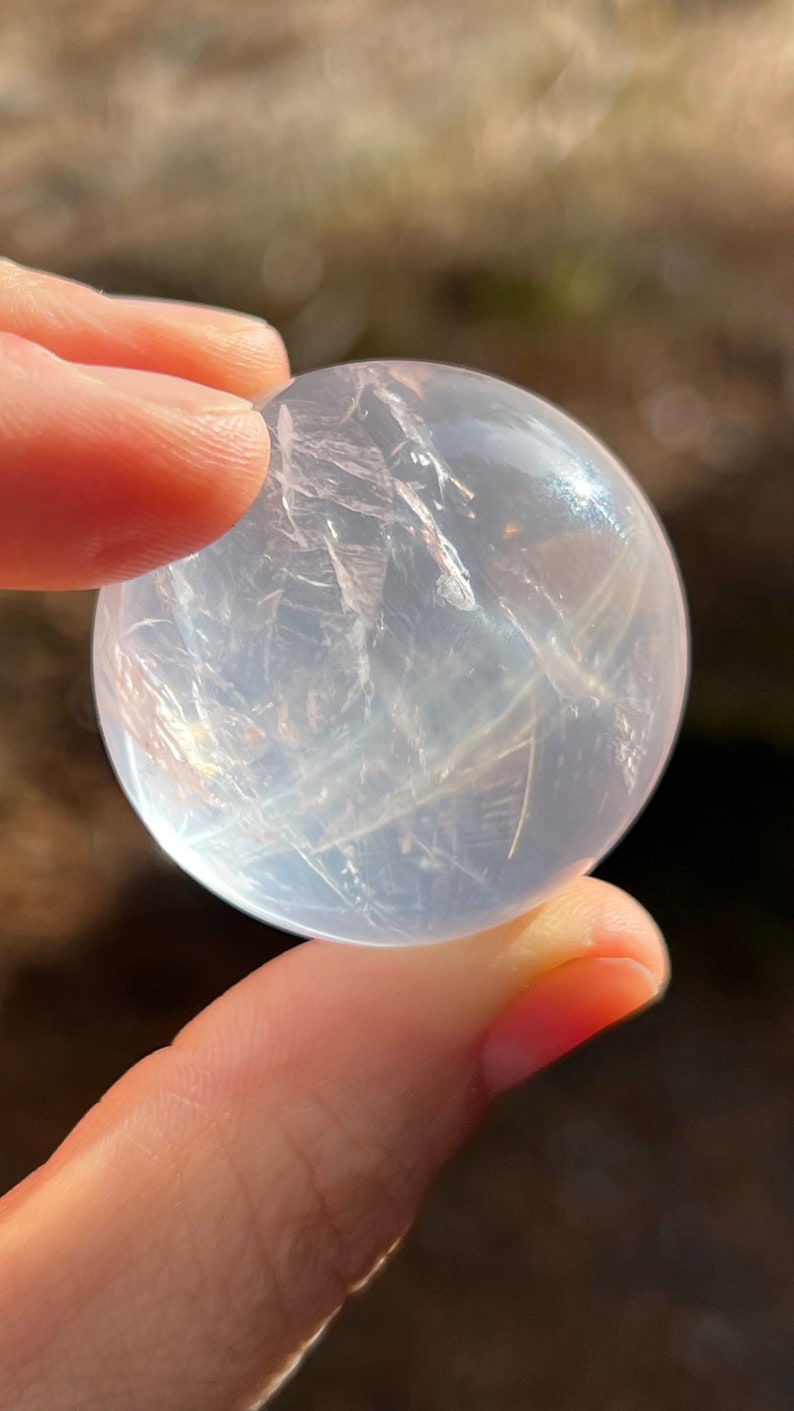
point(216, 1208)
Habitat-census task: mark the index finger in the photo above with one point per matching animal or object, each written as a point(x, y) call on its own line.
point(217, 347)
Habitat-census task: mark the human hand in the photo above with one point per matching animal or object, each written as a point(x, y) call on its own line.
point(216, 1208)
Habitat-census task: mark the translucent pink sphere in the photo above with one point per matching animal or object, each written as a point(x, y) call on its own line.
point(431, 677)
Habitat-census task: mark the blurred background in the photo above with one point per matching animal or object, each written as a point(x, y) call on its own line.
point(594, 198)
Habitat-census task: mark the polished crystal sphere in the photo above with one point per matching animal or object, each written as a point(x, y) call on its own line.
point(431, 677)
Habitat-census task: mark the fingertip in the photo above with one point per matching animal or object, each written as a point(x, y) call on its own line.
point(593, 957)
point(560, 1011)
point(596, 918)
point(183, 495)
point(234, 352)
point(230, 350)
point(111, 472)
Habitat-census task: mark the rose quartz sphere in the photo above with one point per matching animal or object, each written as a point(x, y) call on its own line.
point(430, 678)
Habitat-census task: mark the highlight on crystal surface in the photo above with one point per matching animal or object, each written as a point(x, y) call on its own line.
point(431, 677)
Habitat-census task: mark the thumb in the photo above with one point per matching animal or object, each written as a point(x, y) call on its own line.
point(214, 1211)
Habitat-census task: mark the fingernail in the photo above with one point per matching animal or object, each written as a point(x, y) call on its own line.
point(174, 392)
point(559, 1011)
